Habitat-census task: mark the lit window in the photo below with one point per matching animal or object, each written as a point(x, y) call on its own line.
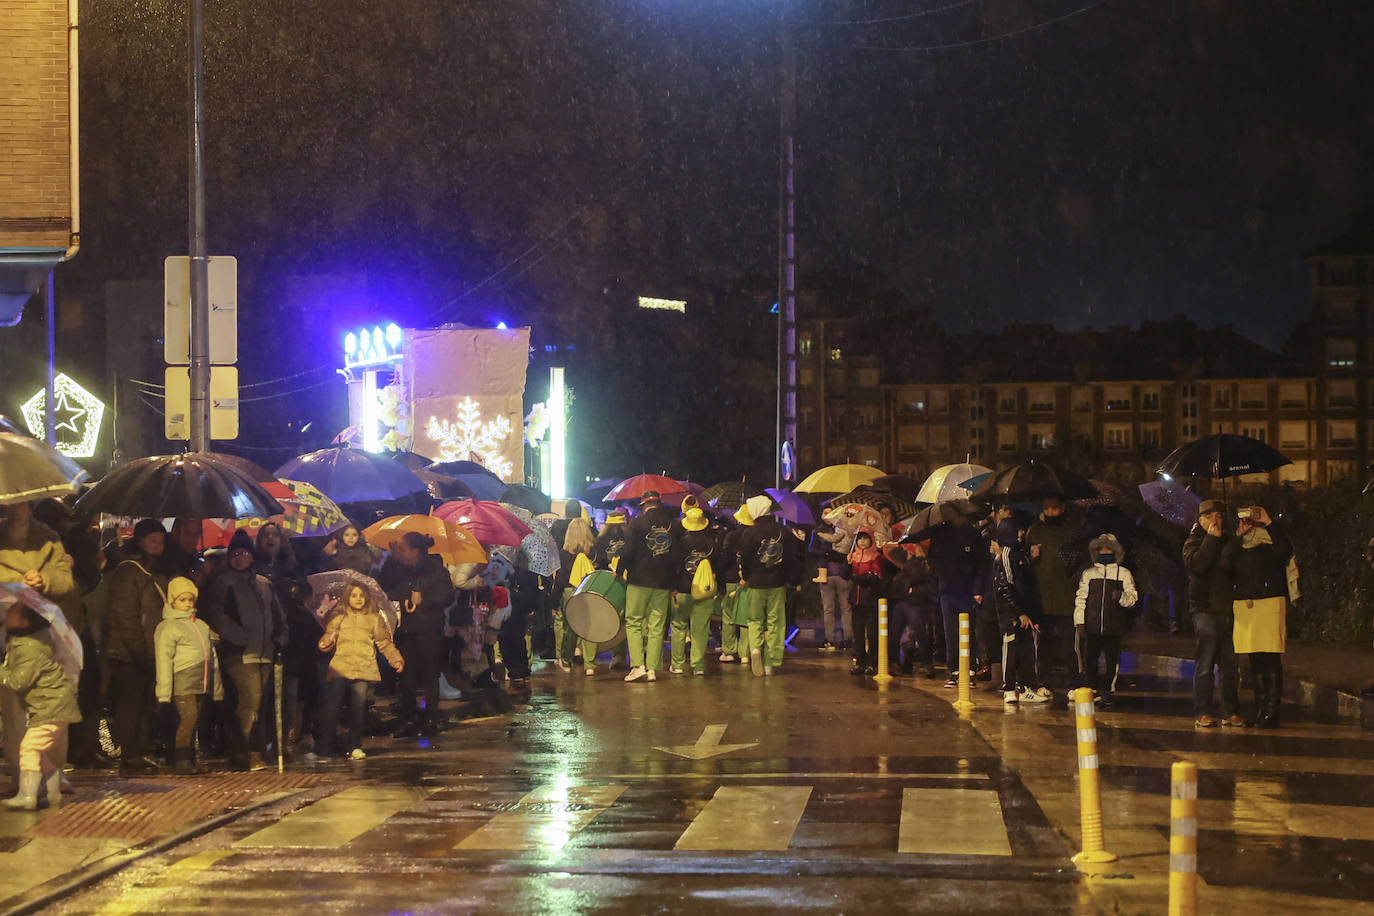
point(1340, 353)
point(836, 354)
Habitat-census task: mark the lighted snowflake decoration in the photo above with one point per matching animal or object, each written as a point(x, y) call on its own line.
point(78, 414)
point(469, 438)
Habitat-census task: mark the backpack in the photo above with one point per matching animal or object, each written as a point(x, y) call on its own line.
point(703, 582)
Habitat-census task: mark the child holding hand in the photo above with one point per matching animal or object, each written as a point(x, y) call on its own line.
point(355, 634)
point(187, 669)
point(49, 698)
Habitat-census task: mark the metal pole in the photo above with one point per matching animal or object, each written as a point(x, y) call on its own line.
point(787, 253)
point(50, 395)
point(200, 280)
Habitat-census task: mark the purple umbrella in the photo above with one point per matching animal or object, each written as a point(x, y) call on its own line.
point(1172, 501)
point(791, 507)
point(350, 475)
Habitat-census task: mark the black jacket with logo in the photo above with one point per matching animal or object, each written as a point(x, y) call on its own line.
point(610, 543)
point(649, 559)
point(769, 555)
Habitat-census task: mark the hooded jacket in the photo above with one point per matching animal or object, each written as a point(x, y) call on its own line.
point(1105, 592)
point(134, 599)
point(30, 670)
point(356, 637)
point(42, 550)
point(243, 609)
point(693, 547)
point(650, 558)
point(186, 664)
point(1013, 586)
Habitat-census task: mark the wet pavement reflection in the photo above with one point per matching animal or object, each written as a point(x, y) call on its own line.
point(810, 791)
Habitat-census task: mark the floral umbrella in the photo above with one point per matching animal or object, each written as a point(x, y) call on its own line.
point(537, 551)
point(331, 584)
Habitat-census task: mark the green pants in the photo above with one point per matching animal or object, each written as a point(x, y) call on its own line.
point(565, 640)
point(767, 620)
point(692, 615)
point(646, 614)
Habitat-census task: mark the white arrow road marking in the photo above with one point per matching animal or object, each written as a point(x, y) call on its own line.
point(708, 745)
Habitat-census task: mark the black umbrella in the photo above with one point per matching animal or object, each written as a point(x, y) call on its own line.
point(194, 485)
point(730, 495)
point(517, 494)
point(920, 526)
point(442, 487)
point(904, 488)
point(1032, 480)
point(410, 459)
point(1150, 558)
point(1222, 455)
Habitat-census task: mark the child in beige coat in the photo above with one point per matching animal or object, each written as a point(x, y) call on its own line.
point(356, 633)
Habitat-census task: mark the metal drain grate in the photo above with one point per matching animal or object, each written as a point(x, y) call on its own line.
point(139, 809)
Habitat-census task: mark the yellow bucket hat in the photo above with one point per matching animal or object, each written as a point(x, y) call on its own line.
point(743, 517)
point(694, 520)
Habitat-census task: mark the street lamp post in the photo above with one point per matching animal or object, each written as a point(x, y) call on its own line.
point(199, 262)
point(787, 255)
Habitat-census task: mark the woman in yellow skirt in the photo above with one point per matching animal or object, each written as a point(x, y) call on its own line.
point(1257, 563)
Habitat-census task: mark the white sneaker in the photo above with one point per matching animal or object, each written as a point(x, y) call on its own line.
point(312, 757)
point(1044, 692)
point(674, 669)
point(767, 670)
point(357, 754)
point(1030, 696)
point(1010, 696)
point(448, 691)
point(653, 675)
point(727, 657)
point(636, 673)
point(756, 662)
point(591, 672)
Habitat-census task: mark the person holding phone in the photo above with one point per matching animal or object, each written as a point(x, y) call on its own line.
point(1256, 560)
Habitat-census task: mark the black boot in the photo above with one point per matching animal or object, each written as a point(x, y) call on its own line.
point(1273, 699)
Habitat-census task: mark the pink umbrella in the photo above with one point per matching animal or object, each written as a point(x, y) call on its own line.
point(491, 523)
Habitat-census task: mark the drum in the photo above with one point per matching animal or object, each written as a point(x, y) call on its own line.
point(596, 611)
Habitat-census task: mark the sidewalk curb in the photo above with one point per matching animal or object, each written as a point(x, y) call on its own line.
point(1325, 702)
point(35, 899)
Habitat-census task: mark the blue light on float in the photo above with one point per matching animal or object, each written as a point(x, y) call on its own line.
point(373, 346)
point(501, 326)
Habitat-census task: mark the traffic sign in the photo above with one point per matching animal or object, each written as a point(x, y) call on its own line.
point(224, 402)
point(224, 310)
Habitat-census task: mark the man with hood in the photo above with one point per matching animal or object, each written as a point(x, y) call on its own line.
point(648, 564)
point(697, 543)
point(769, 558)
point(242, 608)
point(135, 597)
point(1106, 590)
point(1047, 538)
point(1014, 597)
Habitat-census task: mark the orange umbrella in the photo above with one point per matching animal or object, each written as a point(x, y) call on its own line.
point(453, 542)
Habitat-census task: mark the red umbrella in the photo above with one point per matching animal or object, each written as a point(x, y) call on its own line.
point(637, 486)
point(491, 523)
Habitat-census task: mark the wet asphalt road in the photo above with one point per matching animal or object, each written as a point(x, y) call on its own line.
point(828, 796)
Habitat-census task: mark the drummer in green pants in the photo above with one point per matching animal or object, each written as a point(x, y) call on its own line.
point(649, 565)
point(692, 609)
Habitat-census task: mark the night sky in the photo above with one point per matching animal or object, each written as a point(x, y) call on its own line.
point(544, 162)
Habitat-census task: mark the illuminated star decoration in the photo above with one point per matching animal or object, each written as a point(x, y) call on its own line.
point(77, 413)
point(470, 438)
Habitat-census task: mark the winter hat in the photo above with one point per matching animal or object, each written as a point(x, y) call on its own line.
point(694, 519)
point(743, 515)
point(1106, 543)
point(241, 540)
point(1009, 533)
point(759, 506)
point(179, 586)
point(146, 527)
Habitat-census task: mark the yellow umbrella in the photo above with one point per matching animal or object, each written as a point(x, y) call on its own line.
point(453, 542)
point(838, 478)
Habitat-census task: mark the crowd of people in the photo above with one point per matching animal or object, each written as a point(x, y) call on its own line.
point(181, 645)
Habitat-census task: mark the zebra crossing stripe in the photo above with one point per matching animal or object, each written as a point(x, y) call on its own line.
point(747, 819)
point(331, 822)
point(953, 822)
point(545, 819)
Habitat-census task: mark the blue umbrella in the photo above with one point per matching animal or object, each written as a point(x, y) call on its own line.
point(483, 483)
point(349, 475)
point(791, 507)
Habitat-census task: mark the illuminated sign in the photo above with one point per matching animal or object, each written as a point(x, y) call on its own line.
point(372, 346)
point(557, 408)
point(471, 439)
point(77, 415)
point(663, 305)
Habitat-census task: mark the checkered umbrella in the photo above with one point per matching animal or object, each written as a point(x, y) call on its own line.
point(308, 511)
point(729, 496)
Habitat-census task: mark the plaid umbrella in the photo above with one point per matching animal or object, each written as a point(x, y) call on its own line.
point(730, 495)
point(308, 511)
